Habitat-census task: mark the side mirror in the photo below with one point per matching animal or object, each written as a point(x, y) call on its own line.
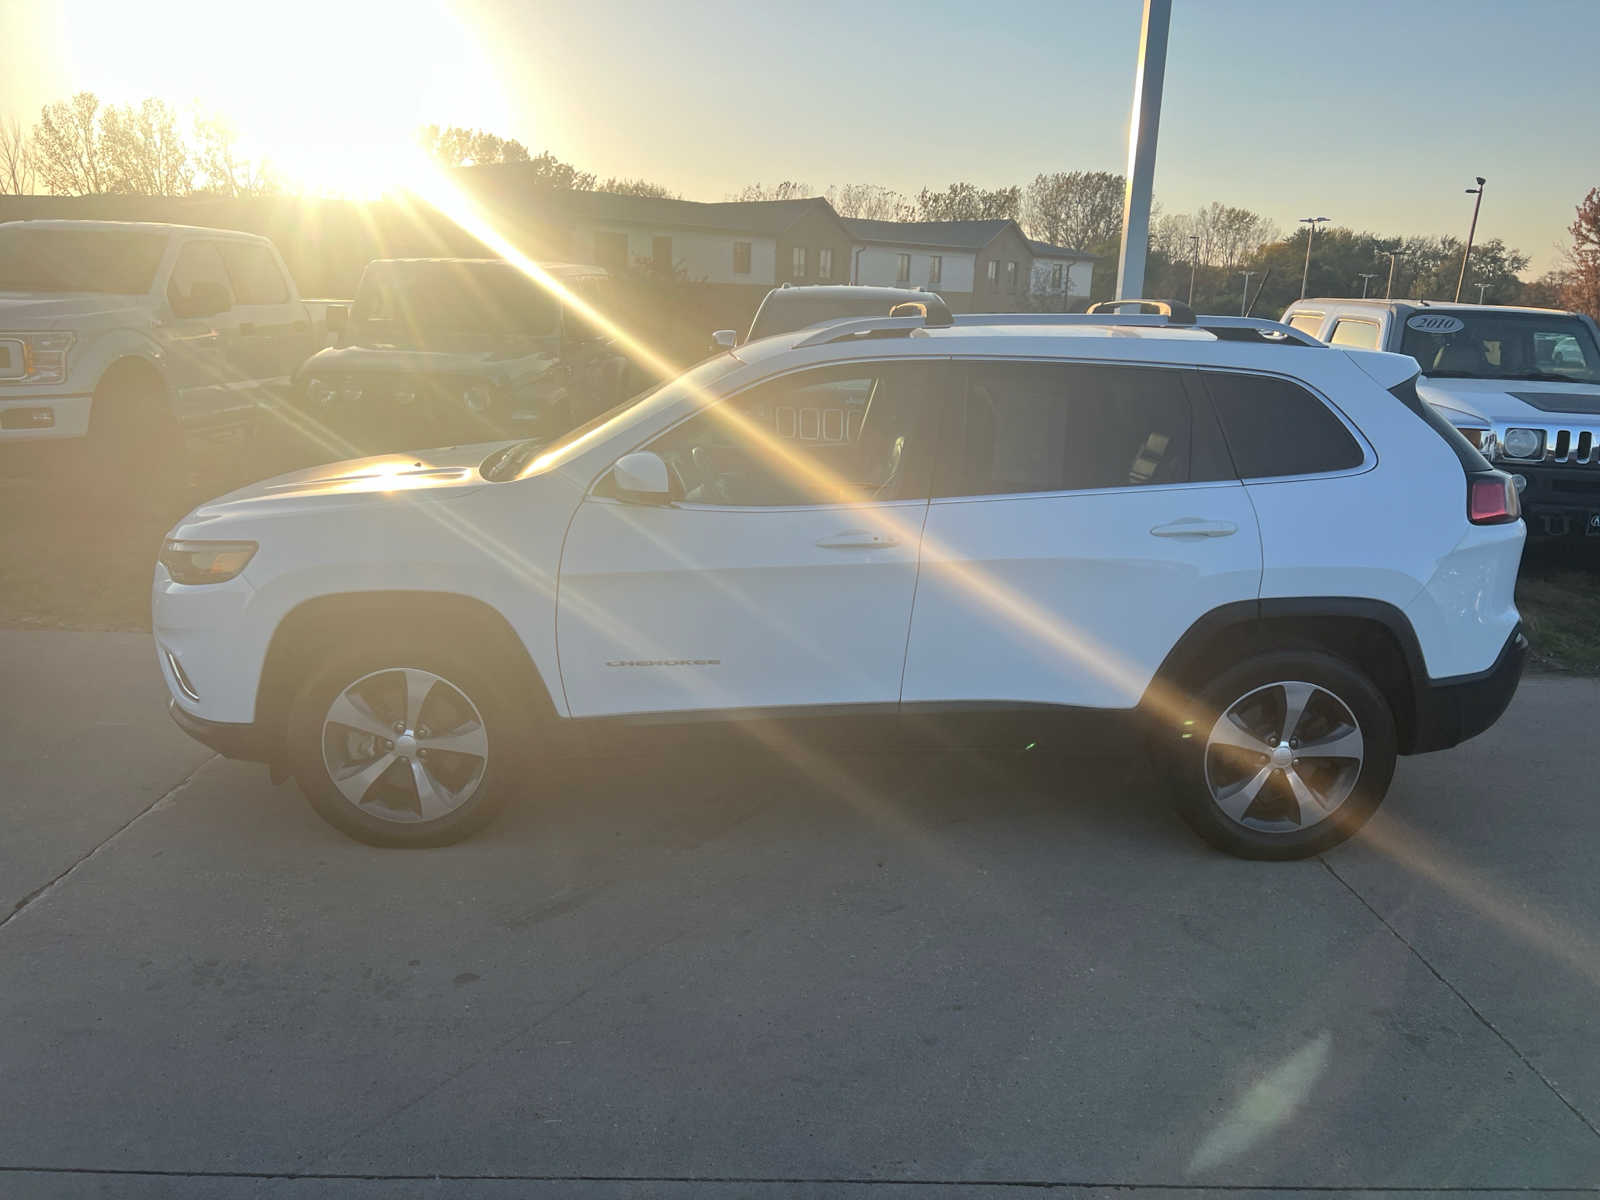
point(642, 478)
point(206, 298)
point(338, 318)
point(724, 339)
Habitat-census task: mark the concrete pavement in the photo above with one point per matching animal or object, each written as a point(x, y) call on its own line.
point(741, 974)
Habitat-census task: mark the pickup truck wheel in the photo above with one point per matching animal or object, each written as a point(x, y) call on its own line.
point(134, 451)
point(1284, 755)
point(400, 745)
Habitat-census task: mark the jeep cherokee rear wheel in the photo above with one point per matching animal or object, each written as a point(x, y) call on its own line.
point(1284, 755)
point(403, 747)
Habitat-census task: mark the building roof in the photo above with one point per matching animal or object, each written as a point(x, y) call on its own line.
point(949, 235)
point(1046, 250)
point(131, 226)
point(769, 218)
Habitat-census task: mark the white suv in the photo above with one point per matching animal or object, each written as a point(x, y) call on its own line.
point(1269, 550)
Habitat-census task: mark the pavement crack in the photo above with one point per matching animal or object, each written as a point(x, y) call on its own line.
point(161, 801)
point(1461, 996)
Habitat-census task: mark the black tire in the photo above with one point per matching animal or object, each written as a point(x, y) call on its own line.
point(1267, 830)
point(385, 818)
point(134, 453)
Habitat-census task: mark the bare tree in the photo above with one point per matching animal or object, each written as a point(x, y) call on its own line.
point(458, 146)
point(637, 187)
point(223, 169)
point(871, 202)
point(144, 152)
point(16, 159)
point(789, 189)
point(66, 146)
point(968, 202)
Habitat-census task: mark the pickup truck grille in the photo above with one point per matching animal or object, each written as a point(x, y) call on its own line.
point(1572, 447)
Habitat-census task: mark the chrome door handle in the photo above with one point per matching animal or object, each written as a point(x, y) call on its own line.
point(1194, 527)
point(858, 539)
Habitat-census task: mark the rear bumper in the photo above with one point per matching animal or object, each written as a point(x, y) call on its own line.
point(248, 743)
point(1449, 711)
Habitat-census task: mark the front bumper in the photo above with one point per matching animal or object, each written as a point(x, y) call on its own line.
point(1449, 711)
point(248, 743)
point(1558, 500)
point(43, 416)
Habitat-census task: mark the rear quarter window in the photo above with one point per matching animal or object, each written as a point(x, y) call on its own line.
point(1274, 427)
point(1306, 322)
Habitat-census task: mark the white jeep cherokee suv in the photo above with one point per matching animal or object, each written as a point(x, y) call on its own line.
point(1268, 549)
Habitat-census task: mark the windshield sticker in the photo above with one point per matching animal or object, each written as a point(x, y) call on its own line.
point(1435, 323)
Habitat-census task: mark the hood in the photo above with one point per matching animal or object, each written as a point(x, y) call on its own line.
point(464, 355)
point(386, 479)
point(44, 310)
point(1513, 400)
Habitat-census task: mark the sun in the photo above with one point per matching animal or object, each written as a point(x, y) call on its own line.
point(331, 93)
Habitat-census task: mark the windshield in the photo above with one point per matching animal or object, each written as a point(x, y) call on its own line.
point(426, 298)
point(1492, 345)
point(117, 261)
point(785, 312)
point(533, 456)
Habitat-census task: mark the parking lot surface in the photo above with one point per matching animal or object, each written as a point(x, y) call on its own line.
point(773, 972)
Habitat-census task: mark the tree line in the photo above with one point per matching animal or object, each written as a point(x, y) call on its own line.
point(1223, 256)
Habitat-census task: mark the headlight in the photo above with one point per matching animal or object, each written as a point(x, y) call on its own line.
point(34, 357)
point(320, 392)
point(1523, 443)
point(478, 397)
point(205, 562)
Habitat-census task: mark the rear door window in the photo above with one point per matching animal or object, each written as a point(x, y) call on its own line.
point(198, 262)
point(1027, 427)
point(1275, 427)
point(1306, 322)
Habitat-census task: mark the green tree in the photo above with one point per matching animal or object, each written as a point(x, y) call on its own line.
point(1081, 209)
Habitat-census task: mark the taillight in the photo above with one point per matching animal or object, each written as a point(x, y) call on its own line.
point(1492, 499)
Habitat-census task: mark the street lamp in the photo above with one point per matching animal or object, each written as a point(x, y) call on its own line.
point(1244, 299)
point(1481, 288)
point(1311, 224)
point(1467, 253)
point(1388, 292)
point(1194, 261)
point(1365, 280)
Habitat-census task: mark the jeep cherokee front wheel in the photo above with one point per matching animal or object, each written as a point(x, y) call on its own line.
point(1284, 755)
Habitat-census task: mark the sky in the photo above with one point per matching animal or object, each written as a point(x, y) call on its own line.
point(1376, 113)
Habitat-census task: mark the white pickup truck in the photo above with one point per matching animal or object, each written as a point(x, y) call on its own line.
point(129, 338)
point(1522, 384)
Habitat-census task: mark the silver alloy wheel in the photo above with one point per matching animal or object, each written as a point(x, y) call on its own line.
point(1284, 756)
point(405, 745)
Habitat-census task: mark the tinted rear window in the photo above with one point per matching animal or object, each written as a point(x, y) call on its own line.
point(1275, 427)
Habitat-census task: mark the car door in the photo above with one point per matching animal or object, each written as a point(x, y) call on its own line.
point(201, 347)
point(782, 577)
point(1083, 516)
point(274, 335)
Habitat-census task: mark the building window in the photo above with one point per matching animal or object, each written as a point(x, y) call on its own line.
point(902, 268)
point(1011, 277)
point(1055, 277)
point(935, 269)
point(799, 270)
point(825, 263)
point(611, 251)
point(741, 258)
point(994, 274)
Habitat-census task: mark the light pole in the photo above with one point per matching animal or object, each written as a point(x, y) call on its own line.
point(1481, 288)
point(1365, 280)
point(1143, 124)
point(1194, 261)
point(1467, 253)
point(1245, 299)
point(1388, 292)
point(1311, 224)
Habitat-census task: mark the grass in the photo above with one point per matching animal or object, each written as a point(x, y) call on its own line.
point(1559, 595)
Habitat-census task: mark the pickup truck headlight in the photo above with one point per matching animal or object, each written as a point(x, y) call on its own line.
point(43, 357)
point(320, 392)
point(1523, 443)
point(193, 562)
